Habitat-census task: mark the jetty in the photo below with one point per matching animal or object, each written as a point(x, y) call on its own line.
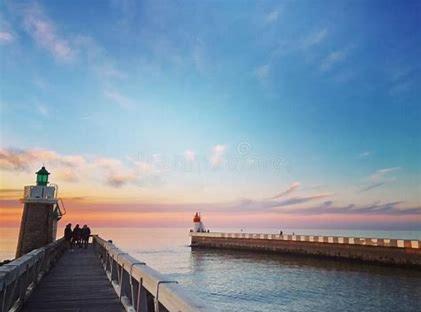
point(99, 278)
point(396, 252)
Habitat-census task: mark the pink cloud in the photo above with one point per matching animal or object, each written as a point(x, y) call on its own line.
point(294, 186)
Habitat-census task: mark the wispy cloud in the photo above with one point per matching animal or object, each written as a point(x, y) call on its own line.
point(107, 70)
point(272, 16)
point(365, 154)
point(42, 109)
point(294, 186)
point(6, 37)
point(328, 207)
point(332, 59)
point(262, 72)
point(314, 38)
point(119, 99)
point(217, 155)
point(379, 178)
point(372, 186)
point(380, 174)
point(264, 205)
point(44, 32)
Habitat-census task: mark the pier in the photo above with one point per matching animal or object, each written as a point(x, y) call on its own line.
point(369, 250)
point(100, 278)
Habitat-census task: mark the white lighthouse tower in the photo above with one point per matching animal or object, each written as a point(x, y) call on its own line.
point(40, 214)
point(198, 224)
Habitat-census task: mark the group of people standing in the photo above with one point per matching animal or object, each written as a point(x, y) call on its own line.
point(79, 236)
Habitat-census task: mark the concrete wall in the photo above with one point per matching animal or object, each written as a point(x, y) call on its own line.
point(386, 251)
point(36, 228)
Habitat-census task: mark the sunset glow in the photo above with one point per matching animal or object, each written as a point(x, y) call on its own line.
point(163, 114)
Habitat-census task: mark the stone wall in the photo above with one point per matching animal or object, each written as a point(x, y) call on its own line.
point(36, 229)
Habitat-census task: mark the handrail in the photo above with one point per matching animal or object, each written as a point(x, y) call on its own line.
point(19, 277)
point(141, 288)
point(378, 242)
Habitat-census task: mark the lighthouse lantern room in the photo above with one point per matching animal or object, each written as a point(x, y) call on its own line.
point(42, 176)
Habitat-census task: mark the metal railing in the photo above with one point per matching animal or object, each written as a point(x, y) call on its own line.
point(139, 287)
point(19, 277)
point(380, 242)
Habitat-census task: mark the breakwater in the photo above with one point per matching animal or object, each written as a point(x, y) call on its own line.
point(372, 250)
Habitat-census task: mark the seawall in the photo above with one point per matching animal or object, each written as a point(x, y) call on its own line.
point(371, 250)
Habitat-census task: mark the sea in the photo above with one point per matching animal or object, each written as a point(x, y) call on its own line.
point(251, 281)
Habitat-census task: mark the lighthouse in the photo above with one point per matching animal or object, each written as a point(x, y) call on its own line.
point(41, 213)
point(198, 224)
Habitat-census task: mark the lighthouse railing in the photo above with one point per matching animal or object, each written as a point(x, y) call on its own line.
point(139, 287)
point(19, 277)
point(40, 192)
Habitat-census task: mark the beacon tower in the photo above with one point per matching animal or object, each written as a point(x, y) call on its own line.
point(40, 214)
point(198, 224)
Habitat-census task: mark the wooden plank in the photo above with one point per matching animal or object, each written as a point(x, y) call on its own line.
point(77, 283)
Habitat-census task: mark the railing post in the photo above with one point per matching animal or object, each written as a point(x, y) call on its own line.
point(131, 285)
point(157, 293)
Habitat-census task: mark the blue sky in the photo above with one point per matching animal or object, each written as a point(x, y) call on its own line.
point(324, 94)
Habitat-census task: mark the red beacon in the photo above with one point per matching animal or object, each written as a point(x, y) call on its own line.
point(196, 217)
point(198, 224)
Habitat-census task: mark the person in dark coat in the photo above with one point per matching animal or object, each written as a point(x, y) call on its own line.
point(68, 234)
point(76, 240)
point(86, 232)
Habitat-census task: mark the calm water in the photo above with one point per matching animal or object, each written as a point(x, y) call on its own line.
point(245, 281)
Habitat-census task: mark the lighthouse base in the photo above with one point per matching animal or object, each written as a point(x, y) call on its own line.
point(38, 227)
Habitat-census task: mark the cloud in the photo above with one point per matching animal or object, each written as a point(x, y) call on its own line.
point(328, 207)
point(67, 175)
point(332, 59)
point(380, 174)
point(22, 160)
point(265, 205)
point(294, 186)
point(112, 172)
point(262, 72)
point(371, 186)
point(379, 178)
point(314, 38)
point(217, 156)
point(118, 180)
point(6, 37)
point(272, 16)
point(109, 71)
point(189, 155)
point(303, 199)
point(44, 32)
point(365, 154)
point(43, 110)
point(119, 99)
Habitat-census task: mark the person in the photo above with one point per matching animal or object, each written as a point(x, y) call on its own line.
point(280, 233)
point(76, 235)
point(68, 233)
point(85, 233)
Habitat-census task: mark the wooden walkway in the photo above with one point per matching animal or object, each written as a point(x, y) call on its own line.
point(77, 283)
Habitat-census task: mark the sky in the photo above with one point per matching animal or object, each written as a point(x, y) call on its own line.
point(286, 114)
